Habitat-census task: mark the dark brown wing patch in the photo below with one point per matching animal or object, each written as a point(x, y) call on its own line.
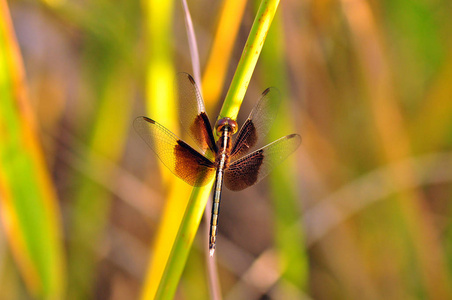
point(244, 172)
point(181, 159)
point(191, 166)
point(258, 123)
point(252, 168)
point(201, 131)
point(193, 115)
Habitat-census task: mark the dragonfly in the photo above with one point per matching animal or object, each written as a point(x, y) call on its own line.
point(230, 161)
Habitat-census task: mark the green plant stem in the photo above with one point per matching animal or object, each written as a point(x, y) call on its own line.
point(231, 106)
point(183, 242)
point(248, 60)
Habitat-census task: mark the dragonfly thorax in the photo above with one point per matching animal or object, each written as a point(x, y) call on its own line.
point(225, 127)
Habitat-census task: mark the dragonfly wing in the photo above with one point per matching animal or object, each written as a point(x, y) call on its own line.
point(193, 115)
point(252, 168)
point(258, 123)
point(185, 162)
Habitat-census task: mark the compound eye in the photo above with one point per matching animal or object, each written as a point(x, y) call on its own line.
point(226, 122)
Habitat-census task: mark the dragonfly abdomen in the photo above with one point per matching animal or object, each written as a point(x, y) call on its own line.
point(221, 162)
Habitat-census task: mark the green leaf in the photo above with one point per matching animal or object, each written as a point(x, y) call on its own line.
point(29, 209)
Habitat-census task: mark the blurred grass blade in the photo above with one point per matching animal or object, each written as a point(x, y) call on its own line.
point(198, 199)
point(172, 215)
point(427, 135)
point(161, 103)
point(390, 127)
point(91, 200)
point(107, 58)
point(220, 54)
point(29, 209)
point(292, 254)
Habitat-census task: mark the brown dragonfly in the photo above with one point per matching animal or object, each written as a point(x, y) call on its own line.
point(225, 159)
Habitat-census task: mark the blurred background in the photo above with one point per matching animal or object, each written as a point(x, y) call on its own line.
point(360, 211)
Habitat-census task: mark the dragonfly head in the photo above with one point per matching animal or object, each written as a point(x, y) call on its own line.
point(226, 122)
